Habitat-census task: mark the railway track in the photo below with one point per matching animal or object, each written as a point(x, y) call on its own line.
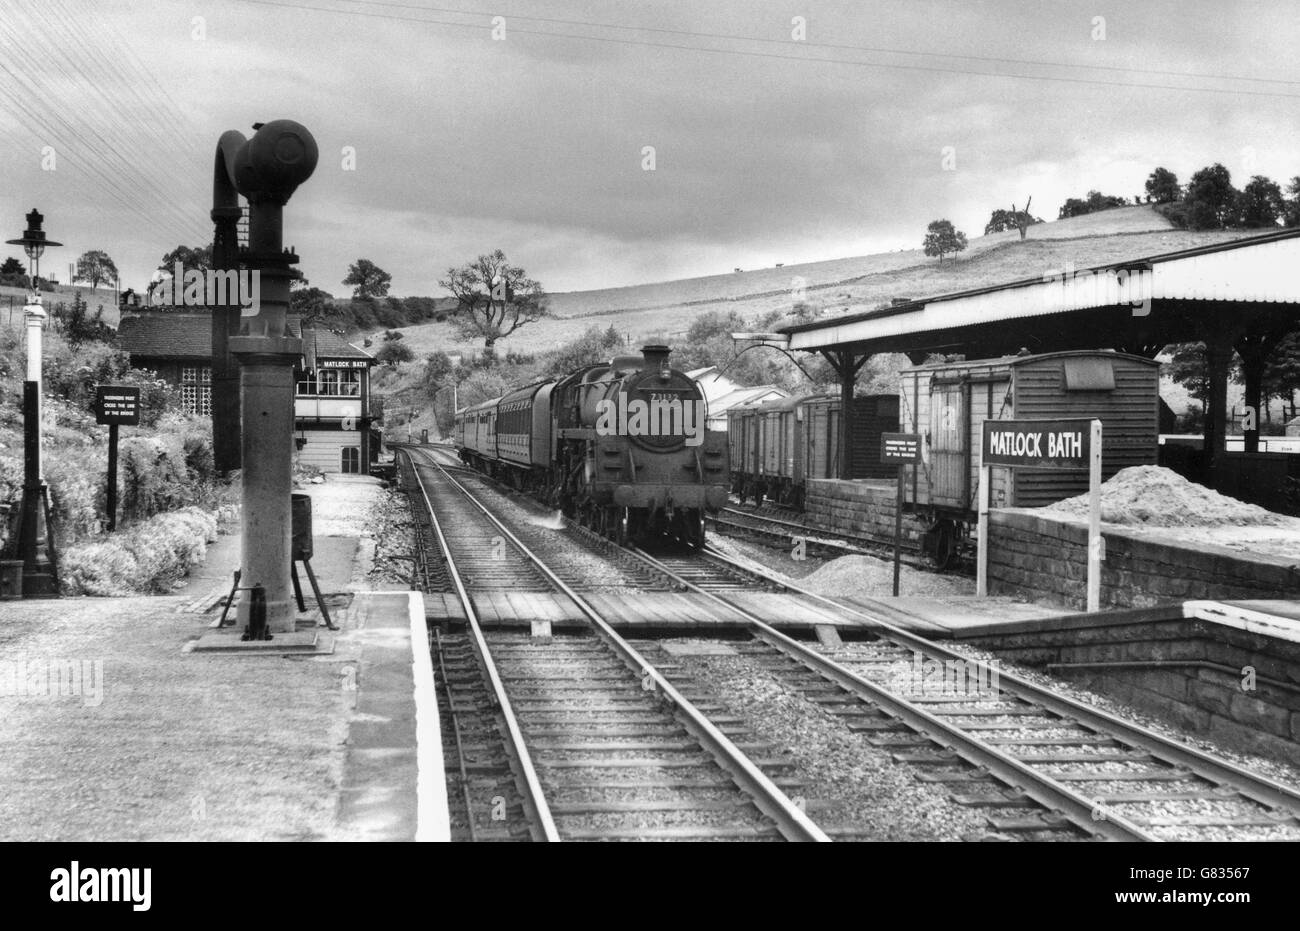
point(599, 743)
point(1040, 761)
point(1041, 764)
point(784, 528)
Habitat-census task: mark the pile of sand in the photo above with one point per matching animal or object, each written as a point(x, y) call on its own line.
point(1151, 496)
point(874, 578)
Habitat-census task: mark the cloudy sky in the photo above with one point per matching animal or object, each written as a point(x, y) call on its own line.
point(767, 148)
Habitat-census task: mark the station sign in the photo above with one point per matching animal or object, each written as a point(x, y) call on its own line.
point(343, 363)
point(117, 405)
point(901, 448)
point(1038, 444)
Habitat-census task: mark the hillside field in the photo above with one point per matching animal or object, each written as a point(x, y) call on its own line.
point(839, 286)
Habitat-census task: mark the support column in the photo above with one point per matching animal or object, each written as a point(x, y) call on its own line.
point(1218, 360)
point(225, 324)
point(1255, 351)
point(848, 376)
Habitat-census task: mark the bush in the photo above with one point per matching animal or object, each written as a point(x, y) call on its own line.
point(391, 353)
point(154, 475)
point(99, 569)
point(147, 558)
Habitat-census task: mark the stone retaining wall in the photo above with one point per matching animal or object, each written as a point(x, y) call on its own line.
point(1238, 687)
point(858, 507)
point(1045, 559)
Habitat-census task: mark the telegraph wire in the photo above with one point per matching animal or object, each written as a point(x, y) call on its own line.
point(772, 55)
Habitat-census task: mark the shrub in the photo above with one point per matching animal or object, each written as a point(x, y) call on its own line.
point(148, 557)
point(154, 475)
point(99, 569)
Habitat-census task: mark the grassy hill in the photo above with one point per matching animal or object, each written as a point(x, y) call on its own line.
point(12, 300)
point(840, 285)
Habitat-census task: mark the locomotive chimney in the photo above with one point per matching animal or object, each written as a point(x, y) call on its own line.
point(656, 358)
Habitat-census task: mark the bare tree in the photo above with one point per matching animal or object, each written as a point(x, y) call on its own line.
point(494, 298)
point(1022, 217)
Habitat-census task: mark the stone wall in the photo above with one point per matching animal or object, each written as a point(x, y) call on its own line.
point(1045, 559)
point(864, 507)
point(1237, 686)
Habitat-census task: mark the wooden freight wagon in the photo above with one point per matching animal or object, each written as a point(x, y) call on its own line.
point(947, 403)
point(776, 446)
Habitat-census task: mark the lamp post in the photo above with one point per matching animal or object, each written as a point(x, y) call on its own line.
point(35, 537)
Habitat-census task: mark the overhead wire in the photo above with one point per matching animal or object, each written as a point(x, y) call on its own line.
point(839, 46)
point(750, 53)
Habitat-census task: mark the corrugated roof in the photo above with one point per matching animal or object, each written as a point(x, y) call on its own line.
point(742, 396)
point(1258, 268)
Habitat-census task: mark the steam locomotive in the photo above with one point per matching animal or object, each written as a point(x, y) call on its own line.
point(622, 447)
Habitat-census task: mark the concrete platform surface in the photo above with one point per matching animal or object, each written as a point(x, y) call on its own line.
point(1278, 618)
point(112, 732)
point(938, 616)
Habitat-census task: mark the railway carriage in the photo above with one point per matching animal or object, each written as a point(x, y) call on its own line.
point(947, 404)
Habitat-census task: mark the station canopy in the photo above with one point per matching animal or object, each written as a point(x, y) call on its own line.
point(1218, 293)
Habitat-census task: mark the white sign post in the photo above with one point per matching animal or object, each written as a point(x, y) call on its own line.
point(982, 532)
point(1096, 542)
point(1043, 444)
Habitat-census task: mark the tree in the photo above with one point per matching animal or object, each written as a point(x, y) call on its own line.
point(310, 303)
point(1074, 207)
point(999, 221)
point(438, 369)
point(1163, 186)
point(12, 266)
point(941, 239)
point(1022, 219)
point(1282, 373)
point(394, 352)
point(591, 347)
point(79, 326)
point(369, 279)
point(493, 299)
point(198, 258)
point(95, 266)
point(1210, 198)
point(1259, 204)
point(1290, 209)
point(1187, 367)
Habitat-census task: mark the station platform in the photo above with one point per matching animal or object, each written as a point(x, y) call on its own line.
point(116, 729)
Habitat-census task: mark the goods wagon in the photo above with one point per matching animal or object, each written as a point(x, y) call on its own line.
point(947, 404)
point(776, 446)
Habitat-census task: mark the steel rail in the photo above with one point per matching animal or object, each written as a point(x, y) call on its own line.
point(1083, 812)
point(1261, 789)
point(530, 786)
point(460, 745)
point(789, 819)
